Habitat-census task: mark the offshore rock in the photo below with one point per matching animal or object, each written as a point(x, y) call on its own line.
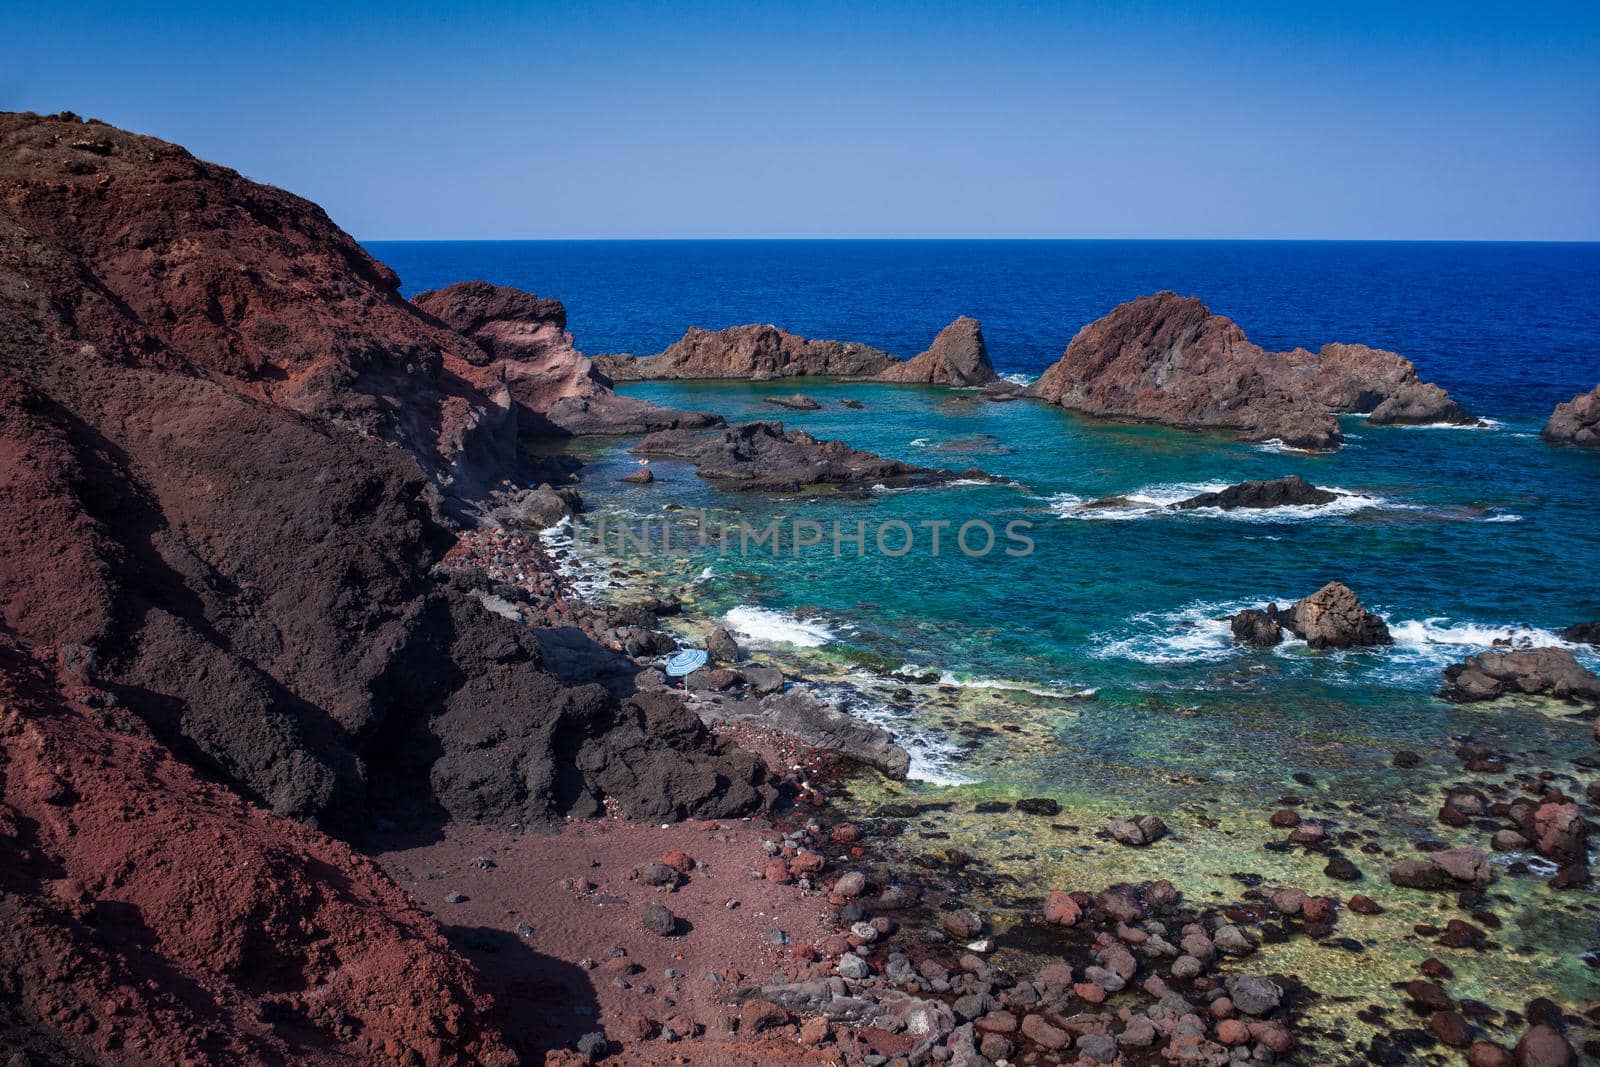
point(1576, 422)
point(957, 357)
point(754, 352)
point(1333, 617)
point(1167, 359)
point(1292, 491)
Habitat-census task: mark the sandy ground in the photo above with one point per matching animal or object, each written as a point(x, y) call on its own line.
point(554, 921)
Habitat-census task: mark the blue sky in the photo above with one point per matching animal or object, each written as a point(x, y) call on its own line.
point(1272, 120)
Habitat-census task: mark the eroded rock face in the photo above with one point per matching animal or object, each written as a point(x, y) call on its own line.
point(1577, 422)
point(957, 356)
point(756, 352)
point(528, 355)
point(1168, 359)
point(167, 920)
point(1544, 671)
point(762, 456)
point(1277, 493)
point(1332, 617)
point(229, 469)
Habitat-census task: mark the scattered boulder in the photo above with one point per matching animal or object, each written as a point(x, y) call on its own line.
point(659, 920)
point(1536, 671)
point(721, 647)
point(642, 476)
point(1333, 617)
point(1256, 626)
point(1449, 868)
point(1137, 832)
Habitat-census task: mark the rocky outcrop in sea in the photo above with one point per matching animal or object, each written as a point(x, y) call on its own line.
point(1332, 617)
point(1543, 671)
point(1293, 491)
point(1576, 422)
point(957, 357)
point(754, 352)
point(1167, 359)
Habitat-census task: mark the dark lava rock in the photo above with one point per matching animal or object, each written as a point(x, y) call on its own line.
point(1039, 806)
point(762, 456)
point(797, 402)
point(659, 920)
point(1255, 626)
point(1342, 869)
point(1584, 633)
point(1277, 493)
point(721, 646)
point(1332, 617)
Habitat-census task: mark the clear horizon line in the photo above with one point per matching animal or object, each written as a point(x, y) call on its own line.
point(1041, 239)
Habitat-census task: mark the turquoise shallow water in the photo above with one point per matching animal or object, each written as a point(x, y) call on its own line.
point(1096, 670)
point(1455, 536)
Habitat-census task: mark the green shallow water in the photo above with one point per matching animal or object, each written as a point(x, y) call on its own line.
point(1095, 671)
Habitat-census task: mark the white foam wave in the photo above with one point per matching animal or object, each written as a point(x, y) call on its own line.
point(584, 576)
point(763, 627)
point(934, 757)
point(1023, 380)
point(1156, 500)
point(1481, 424)
point(1194, 633)
point(920, 442)
point(1009, 686)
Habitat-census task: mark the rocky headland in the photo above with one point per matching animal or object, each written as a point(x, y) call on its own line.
point(1576, 422)
point(1167, 359)
point(528, 358)
point(235, 461)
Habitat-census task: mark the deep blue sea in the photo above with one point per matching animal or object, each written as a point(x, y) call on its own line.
point(1509, 329)
point(1098, 669)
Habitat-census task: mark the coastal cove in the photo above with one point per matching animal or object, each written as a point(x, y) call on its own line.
point(1098, 670)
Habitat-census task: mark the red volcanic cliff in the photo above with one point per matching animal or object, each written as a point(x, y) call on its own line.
point(528, 353)
point(226, 438)
point(148, 916)
point(1168, 359)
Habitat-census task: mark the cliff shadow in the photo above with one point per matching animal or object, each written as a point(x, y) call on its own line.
point(542, 1002)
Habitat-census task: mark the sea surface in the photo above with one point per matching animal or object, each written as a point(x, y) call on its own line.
point(1097, 668)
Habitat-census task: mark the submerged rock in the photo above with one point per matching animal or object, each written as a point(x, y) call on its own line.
point(762, 456)
point(1542, 671)
point(1140, 831)
point(1279, 492)
point(1449, 868)
point(796, 402)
